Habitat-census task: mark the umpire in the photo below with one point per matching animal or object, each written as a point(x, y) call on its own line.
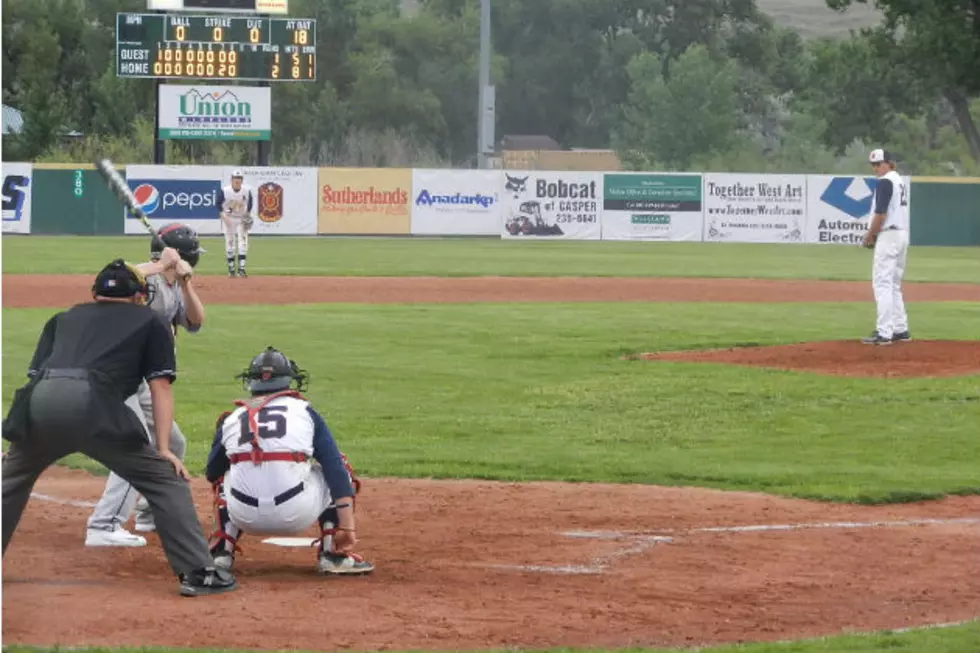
point(88, 360)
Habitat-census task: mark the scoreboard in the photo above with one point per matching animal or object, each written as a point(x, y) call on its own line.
point(223, 48)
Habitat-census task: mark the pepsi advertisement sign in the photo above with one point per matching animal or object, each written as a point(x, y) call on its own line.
point(176, 200)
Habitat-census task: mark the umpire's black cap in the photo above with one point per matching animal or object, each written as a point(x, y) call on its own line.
point(119, 279)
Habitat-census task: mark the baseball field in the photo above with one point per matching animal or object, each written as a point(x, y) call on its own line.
point(607, 446)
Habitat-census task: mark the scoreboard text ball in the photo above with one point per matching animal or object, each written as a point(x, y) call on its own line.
point(215, 47)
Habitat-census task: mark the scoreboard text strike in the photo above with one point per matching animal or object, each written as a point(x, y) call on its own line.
point(215, 47)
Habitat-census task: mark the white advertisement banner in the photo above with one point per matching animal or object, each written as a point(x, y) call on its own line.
point(839, 208)
point(186, 194)
point(285, 199)
point(652, 206)
point(235, 113)
point(548, 205)
point(754, 208)
point(17, 182)
point(456, 202)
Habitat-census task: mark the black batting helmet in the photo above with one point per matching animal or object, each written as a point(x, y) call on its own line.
point(182, 238)
point(272, 371)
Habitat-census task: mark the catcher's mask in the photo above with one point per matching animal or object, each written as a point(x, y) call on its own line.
point(182, 238)
point(121, 280)
point(272, 371)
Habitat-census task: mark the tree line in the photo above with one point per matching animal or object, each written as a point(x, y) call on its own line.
point(668, 84)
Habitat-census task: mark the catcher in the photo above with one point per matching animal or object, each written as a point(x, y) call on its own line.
point(276, 469)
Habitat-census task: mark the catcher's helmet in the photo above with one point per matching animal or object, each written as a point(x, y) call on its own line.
point(272, 371)
point(182, 238)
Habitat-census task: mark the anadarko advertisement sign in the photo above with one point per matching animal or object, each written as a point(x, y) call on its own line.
point(456, 202)
point(754, 208)
point(643, 206)
point(364, 200)
point(839, 208)
point(545, 204)
point(240, 113)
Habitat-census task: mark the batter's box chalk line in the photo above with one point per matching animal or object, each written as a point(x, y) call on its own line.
point(640, 542)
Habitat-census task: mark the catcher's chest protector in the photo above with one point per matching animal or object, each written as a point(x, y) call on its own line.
point(253, 407)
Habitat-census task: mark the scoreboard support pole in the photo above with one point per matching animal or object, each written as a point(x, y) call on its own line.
point(159, 146)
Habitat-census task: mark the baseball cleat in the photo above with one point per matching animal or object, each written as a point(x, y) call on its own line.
point(231, 274)
point(902, 336)
point(207, 581)
point(145, 527)
point(242, 273)
point(339, 564)
point(223, 560)
point(96, 537)
point(876, 339)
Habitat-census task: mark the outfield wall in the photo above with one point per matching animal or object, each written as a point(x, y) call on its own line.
point(511, 204)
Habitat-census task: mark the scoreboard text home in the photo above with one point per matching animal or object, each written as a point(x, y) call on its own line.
point(215, 47)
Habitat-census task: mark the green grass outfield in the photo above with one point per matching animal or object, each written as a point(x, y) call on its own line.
point(539, 392)
point(956, 639)
point(490, 256)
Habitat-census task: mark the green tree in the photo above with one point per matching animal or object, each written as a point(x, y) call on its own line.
point(672, 120)
point(939, 41)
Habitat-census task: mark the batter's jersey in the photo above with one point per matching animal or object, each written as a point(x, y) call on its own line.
point(168, 303)
point(284, 425)
point(236, 203)
point(892, 199)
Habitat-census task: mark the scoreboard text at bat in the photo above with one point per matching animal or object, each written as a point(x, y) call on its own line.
point(215, 47)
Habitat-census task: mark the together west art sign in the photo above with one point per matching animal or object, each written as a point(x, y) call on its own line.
point(235, 113)
point(365, 201)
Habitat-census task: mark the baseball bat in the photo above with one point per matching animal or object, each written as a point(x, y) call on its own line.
point(121, 190)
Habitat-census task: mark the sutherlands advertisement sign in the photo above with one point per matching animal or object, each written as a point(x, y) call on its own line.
point(364, 201)
point(544, 204)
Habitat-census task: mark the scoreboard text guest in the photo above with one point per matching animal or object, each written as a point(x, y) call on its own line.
point(215, 47)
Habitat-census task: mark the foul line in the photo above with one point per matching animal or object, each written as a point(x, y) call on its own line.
point(64, 502)
point(641, 541)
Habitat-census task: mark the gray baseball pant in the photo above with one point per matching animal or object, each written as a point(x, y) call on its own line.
point(119, 498)
point(56, 405)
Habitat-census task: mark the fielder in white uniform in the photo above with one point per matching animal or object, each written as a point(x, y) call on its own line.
point(174, 252)
point(889, 236)
point(236, 208)
point(276, 469)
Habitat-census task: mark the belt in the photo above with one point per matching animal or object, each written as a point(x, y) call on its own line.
point(65, 373)
point(264, 456)
point(278, 499)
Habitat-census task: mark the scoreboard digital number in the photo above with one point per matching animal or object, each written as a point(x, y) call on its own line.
point(215, 47)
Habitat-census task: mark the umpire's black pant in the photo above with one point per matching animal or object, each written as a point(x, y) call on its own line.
point(59, 407)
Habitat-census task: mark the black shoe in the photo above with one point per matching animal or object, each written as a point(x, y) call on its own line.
point(242, 273)
point(231, 273)
point(876, 339)
point(207, 581)
point(903, 336)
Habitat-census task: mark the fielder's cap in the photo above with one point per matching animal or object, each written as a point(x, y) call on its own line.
point(119, 279)
point(237, 173)
point(881, 156)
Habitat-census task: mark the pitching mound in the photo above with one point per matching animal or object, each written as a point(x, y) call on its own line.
point(924, 358)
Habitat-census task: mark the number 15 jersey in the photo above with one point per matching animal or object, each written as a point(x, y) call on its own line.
point(285, 424)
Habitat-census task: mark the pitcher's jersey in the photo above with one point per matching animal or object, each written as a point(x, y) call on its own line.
point(284, 424)
point(896, 206)
point(236, 203)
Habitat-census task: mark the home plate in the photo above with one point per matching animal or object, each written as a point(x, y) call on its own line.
point(290, 541)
